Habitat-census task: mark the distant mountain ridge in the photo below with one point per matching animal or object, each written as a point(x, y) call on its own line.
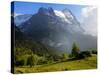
point(21, 18)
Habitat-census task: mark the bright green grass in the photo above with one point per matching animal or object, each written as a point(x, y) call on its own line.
point(87, 63)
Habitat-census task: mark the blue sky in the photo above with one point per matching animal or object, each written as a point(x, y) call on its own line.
point(32, 7)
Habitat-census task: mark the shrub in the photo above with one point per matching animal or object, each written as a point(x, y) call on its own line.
point(94, 52)
point(57, 57)
point(66, 69)
point(50, 59)
point(32, 60)
point(64, 57)
point(81, 56)
point(70, 56)
point(84, 54)
point(42, 60)
point(19, 61)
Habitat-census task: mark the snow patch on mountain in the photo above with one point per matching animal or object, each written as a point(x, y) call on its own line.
point(61, 15)
point(68, 14)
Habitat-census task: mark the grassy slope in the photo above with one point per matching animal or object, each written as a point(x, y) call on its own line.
point(87, 63)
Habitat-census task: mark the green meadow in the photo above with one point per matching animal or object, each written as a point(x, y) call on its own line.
point(79, 64)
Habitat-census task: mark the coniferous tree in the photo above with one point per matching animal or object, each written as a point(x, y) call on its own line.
point(75, 50)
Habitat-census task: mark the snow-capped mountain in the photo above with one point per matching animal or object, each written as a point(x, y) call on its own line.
point(57, 29)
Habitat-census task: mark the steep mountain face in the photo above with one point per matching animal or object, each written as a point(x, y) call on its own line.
point(57, 30)
point(21, 18)
point(24, 43)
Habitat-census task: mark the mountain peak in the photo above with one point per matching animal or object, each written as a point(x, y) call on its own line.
point(46, 11)
point(68, 13)
point(42, 9)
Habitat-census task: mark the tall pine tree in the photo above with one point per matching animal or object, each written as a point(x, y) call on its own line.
point(75, 50)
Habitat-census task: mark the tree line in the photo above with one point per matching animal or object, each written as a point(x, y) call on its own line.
point(26, 57)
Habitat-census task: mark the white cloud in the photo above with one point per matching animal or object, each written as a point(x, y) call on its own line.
point(89, 20)
point(87, 11)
